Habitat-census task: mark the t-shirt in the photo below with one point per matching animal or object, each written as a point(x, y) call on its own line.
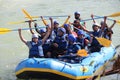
point(40, 49)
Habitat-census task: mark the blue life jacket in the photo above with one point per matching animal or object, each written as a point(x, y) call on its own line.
point(47, 44)
point(96, 33)
point(73, 48)
point(95, 42)
point(34, 50)
point(62, 43)
point(81, 42)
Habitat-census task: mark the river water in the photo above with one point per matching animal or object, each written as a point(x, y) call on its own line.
point(12, 50)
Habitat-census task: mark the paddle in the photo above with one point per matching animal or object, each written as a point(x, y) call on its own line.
point(6, 30)
point(27, 14)
point(104, 42)
point(82, 53)
point(30, 17)
point(47, 16)
point(117, 21)
point(66, 21)
point(90, 19)
point(114, 14)
point(20, 22)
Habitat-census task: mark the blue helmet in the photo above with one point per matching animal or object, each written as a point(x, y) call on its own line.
point(62, 29)
point(71, 38)
point(66, 25)
point(55, 22)
point(43, 30)
point(80, 32)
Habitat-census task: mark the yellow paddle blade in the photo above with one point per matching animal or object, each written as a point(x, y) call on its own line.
point(115, 14)
point(104, 42)
point(66, 21)
point(27, 14)
point(82, 52)
point(118, 21)
point(4, 30)
point(44, 21)
point(33, 17)
point(16, 22)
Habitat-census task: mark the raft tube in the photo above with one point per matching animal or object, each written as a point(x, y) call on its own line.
point(55, 69)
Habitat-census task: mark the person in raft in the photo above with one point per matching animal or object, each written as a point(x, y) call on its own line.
point(35, 45)
point(72, 49)
point(82, 40)
point(108, 30)
point(77, 16)
point(59, 44)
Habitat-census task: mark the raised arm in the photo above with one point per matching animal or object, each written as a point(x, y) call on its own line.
point(47, 35)
point(66, 21)
point(105, 22)
point(113, 24)
point(36, 28)
point(93, 18)
point(30, 27)
point(45, 23)
point(52, 24)
point(20, 35)
point(69, 29)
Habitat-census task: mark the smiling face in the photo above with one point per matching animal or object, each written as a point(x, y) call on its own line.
point(35, 39)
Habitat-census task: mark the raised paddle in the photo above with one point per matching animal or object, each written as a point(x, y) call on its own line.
point(90, 19)
point(114, 14)
point(48, 16)
point(117, 21)
point(20, 22)
point(6, 30)
point(30, 17)
point(66, 21)
point(27, 14)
